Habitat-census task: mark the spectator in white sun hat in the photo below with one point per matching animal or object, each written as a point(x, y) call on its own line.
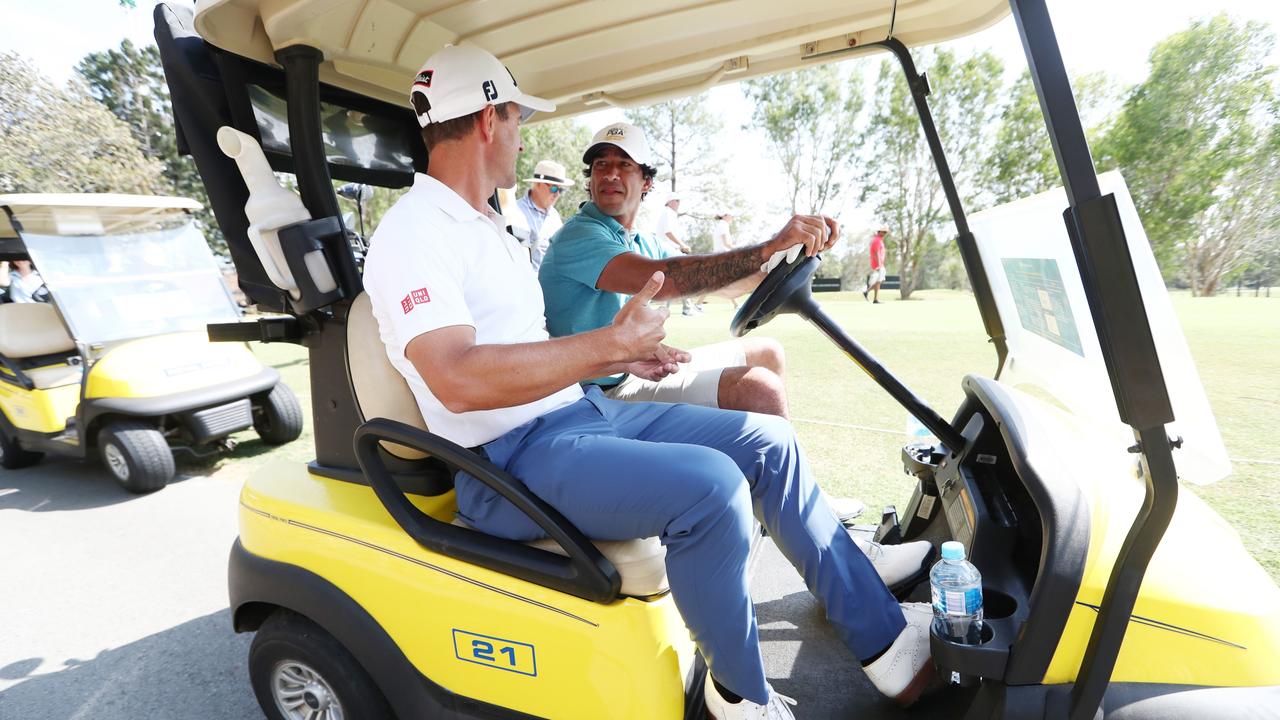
point(538, 218)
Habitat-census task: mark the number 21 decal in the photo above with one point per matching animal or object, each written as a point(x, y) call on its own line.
point(494, 652)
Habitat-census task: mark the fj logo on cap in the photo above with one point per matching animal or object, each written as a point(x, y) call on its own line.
point(490, 92)
point(424, 78)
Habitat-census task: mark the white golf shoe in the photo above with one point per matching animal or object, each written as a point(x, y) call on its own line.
point(846, 508)
point(905, 670)
point(901, 566)
point(720, 709)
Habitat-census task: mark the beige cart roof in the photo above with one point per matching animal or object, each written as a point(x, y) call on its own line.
point(51, 213)
point(582, 54)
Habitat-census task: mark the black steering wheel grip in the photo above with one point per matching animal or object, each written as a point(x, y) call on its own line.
point(784, 289)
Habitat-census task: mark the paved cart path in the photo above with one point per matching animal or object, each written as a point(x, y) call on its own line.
point(114, 606)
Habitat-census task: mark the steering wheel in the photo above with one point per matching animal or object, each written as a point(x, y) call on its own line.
point(784, 289)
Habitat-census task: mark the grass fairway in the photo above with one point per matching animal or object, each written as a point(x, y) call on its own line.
point(853, 431)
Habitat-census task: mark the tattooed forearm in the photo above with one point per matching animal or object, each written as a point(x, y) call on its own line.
point(698, 274)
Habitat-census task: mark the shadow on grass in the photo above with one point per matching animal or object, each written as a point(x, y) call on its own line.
point(194, 670)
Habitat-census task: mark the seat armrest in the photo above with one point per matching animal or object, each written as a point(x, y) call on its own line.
point(585, 573)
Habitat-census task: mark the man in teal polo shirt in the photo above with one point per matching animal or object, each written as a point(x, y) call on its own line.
point(598, 260)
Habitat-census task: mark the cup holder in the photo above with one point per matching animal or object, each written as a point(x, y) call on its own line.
point(997, 605)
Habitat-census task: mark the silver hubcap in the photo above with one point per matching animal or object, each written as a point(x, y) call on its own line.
point(115, 460)
point(301, 694)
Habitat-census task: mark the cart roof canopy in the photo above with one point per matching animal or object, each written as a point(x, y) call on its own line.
point(582, 54)
point(58, 213)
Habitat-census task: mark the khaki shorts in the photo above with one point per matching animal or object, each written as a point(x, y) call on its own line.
point(876, 276)
point(697, 382)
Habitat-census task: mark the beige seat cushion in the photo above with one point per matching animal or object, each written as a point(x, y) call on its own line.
point(32, 329)
point(642, 563)
point(382, 392)
point(380, 389)
point(54, 376)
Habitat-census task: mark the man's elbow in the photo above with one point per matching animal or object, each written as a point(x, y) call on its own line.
point(456, 401)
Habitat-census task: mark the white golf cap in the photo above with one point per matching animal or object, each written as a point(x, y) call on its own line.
point(551, 173)
point(627, 138)
point(673, 195)
point(461, 79)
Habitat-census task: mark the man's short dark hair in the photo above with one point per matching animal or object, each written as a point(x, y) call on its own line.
point(457, 128)
point(649, 172)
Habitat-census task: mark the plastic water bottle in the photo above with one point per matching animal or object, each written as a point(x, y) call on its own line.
point(917, 432)
point(957, 596)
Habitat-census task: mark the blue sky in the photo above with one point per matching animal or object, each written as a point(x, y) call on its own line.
point(1115, 36)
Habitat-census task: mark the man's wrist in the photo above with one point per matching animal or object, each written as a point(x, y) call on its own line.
point(612, 348)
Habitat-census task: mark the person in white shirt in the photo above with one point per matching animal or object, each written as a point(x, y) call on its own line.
point(669, 229)
point(722, 241)
point(461, 316)
point(721, 236)
point(25, 283)
point(538, 220)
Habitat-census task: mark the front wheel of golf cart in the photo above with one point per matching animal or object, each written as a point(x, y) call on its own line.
point(13, 457)
point(278, 416)
point(136, 455)
point(300, 672)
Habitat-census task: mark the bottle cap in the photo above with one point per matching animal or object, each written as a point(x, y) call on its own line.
point(952, 550)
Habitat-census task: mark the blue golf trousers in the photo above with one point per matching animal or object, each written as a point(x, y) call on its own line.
point(624, 470)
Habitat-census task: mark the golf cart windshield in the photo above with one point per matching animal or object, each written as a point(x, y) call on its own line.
point(1053, 344)
point(142, 278)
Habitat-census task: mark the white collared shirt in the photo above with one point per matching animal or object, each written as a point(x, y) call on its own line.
point(434, 262)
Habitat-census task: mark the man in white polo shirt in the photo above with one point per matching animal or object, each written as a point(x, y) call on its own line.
point(460, 313)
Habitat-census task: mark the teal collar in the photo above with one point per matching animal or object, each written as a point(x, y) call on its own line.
point(590, 210)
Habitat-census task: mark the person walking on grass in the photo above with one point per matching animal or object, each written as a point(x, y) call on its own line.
point(877, 267)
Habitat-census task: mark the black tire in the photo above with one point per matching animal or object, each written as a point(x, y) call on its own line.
point(136, 455)
point(277, 416)
point(292, 658)
point(12, 456)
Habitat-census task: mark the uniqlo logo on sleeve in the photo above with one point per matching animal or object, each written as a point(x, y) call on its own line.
point(415, 297)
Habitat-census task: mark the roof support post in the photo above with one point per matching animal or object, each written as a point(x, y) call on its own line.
point(1128, 348)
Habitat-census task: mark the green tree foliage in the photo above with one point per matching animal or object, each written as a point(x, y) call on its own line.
point(1187, 133)
point(1239, 234)
point(682, 134)
point(61, 140)
point(899, 177)
point(130, 82)
point(564, 141)
point(808, 117)
point(1021, 161)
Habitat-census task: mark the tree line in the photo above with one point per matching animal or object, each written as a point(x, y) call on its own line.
point(1198, 142)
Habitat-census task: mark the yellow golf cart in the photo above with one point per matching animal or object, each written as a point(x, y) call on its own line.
point(115, 361)
point(1108, 593)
